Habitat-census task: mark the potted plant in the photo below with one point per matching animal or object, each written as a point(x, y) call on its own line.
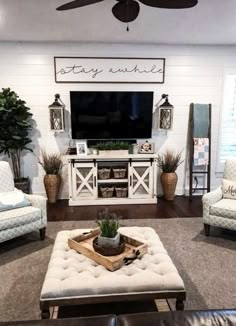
point(52, 165)
point(15, 124)
point(109, 225)
point(113, 147)
point(168, 162)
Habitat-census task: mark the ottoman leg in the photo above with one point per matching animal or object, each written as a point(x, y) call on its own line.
point(45, 313)
point(179, 304)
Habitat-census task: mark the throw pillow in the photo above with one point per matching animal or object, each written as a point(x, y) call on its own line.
point(12, 199)
point(229, 189)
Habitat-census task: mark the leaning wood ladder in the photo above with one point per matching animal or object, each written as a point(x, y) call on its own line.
point(192, 171)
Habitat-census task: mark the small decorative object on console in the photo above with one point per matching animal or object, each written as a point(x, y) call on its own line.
point(113, 147)
point(146, 148)
point(81, 148)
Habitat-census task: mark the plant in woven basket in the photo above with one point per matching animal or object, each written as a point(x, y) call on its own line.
point(169, 162)
point(109, 225)
point(52, 165)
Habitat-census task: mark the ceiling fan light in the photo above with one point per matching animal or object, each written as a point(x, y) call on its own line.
point(126, 11)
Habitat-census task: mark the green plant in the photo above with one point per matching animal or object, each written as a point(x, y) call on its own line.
point(51, 163)
point(112, 145)
point(15, 124)
point(169, 161)
point(108, 223)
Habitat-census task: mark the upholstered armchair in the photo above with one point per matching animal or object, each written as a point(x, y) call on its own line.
point(219, 211)
point(24, 219)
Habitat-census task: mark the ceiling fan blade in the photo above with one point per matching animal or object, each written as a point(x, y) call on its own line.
point(77, 4)
point(170, 4)
point(126, 11)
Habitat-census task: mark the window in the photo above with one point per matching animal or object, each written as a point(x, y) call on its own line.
point(227, 148)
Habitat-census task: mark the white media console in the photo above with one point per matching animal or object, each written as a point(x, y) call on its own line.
point(138, 184)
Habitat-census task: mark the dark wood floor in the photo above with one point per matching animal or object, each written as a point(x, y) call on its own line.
point(181, 206)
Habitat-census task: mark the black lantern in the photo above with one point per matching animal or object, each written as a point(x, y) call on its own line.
point(56, 110)
point(165, 114)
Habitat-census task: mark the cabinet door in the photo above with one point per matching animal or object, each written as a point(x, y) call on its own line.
point(141, 180)
point(84, 181)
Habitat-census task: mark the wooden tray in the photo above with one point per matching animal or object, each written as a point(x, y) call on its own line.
point(83, 244)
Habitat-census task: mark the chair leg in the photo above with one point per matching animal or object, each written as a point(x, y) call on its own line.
point(207, 229)
point(42, 233)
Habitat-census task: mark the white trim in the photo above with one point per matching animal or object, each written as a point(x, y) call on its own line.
point(220, 164)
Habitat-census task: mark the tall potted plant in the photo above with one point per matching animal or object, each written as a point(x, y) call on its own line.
point(52, 165)
point(168, 163)
point(15, 124)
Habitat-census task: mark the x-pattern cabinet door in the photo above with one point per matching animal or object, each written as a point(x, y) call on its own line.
point(84, 185)
point(141, 180)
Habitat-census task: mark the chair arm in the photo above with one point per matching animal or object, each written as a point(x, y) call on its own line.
point(39, 202)
point(209, 199)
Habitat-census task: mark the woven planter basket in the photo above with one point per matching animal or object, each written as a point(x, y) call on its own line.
point(52, 184)
point(168, 182)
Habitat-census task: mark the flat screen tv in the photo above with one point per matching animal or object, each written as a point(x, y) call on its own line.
point(111, 115)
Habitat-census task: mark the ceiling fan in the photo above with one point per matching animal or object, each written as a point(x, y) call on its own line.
point(127, 10)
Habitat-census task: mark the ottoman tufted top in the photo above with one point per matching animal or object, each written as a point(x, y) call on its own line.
point(72, 275)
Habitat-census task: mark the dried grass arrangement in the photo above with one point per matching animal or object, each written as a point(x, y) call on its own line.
point(51, 163)
point(169, 161)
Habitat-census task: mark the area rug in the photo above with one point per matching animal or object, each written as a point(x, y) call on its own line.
point(207, 265)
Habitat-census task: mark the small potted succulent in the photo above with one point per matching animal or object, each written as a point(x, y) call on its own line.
point(109, 225)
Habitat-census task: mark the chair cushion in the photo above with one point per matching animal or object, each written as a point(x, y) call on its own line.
point(12, 199)
point(224, 208)
point(19, 216)
point(6, 177)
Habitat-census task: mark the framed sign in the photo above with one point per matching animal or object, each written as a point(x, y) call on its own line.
point(109, 70)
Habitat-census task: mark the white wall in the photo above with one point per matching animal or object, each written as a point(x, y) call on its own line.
point(193, 74)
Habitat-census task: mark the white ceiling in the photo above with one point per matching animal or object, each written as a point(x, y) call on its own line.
point(210, 22)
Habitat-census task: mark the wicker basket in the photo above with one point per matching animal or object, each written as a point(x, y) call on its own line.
point(121, 192)
point(107, 192)
point(104, 173)
point(119, 173)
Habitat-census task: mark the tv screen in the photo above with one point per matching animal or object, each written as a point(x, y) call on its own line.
point(111, 115)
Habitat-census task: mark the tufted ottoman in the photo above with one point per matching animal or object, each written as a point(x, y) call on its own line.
point(74, 279)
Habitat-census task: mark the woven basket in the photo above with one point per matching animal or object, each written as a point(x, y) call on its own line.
point(107, 192)
point(52, 185)
point(104, 173)
point(119, 173)
point(121, 192)
point(169, 181)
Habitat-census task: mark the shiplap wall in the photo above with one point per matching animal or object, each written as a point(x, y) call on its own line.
point(193, 74)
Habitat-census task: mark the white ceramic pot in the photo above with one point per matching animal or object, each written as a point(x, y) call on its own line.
point(109, 242)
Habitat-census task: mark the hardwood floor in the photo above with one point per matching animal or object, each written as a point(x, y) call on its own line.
point(181, 206)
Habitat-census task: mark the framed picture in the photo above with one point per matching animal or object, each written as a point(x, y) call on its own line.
point(81, 148)
point(146, 148)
